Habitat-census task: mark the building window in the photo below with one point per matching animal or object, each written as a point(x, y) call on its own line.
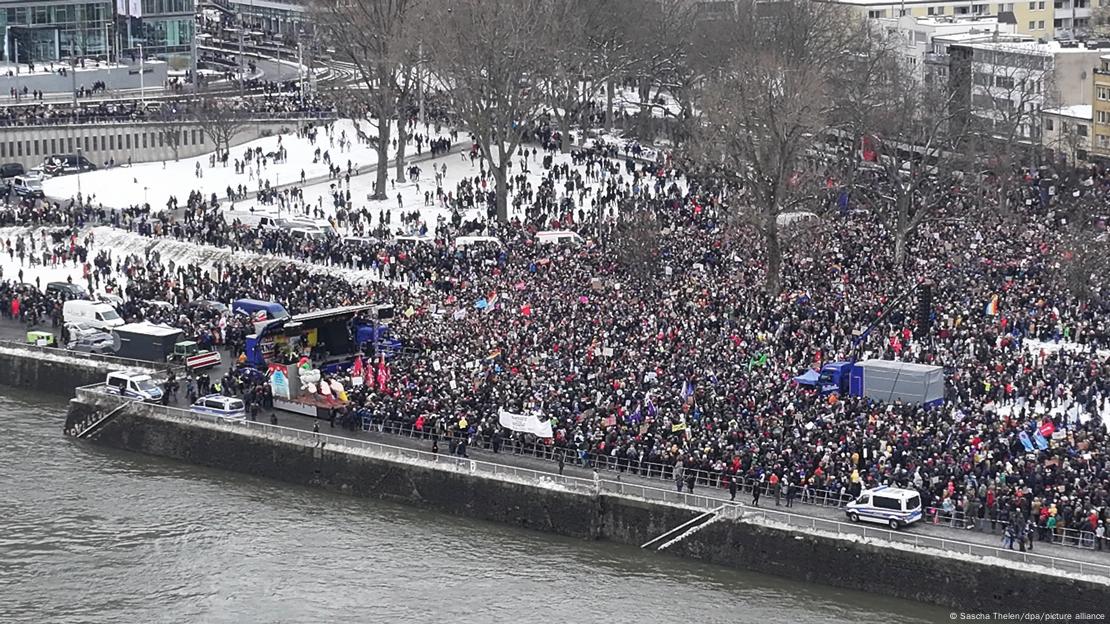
point(1081, 129)
point(1048, 125)
point(1040, 6)
point(1103, 93)
point(1040, 23)
point(96, 143)
point(1032, 6)
point(1103, 117)
point(1103, 140)
point(1032, 25)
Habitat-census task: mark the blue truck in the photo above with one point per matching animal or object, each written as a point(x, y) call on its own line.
point(880, 380)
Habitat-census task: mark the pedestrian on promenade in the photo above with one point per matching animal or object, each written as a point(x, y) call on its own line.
point(562, 462)
point(732, 487)
point(755, 493)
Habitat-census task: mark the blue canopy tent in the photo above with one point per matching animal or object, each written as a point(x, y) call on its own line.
point(808, 378)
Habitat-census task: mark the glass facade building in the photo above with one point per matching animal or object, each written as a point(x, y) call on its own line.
point(55, 29)
point(168, 26)
point(51, 30)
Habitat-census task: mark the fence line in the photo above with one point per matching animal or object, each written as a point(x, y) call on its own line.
point(620, 488)
point(808, 495)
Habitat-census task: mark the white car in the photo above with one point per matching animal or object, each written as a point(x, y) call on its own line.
point(223, 407)
point(891, 506)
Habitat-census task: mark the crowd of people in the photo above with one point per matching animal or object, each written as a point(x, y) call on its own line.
point(675, 361)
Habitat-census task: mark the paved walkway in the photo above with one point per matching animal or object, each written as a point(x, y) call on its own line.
point(982, 536)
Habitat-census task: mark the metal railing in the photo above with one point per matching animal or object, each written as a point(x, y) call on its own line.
point(803, 494)
point(813, 523)
point(457, 463)
point(454, 463)
point(957, 519)
point(96, 357)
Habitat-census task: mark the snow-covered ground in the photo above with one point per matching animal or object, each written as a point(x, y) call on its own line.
point(10, 266)
point(1066, 407)
point(156, 182)
point(121, 243)
point(458, 166)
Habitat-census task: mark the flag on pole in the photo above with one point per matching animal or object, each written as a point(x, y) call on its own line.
point(383, 373)
point(356, 372)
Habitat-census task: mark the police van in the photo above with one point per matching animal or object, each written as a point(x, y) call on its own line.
point(223, 407)
point(891, 506)
point(133, 386)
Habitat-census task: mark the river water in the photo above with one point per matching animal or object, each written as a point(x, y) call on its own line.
point(88, 534)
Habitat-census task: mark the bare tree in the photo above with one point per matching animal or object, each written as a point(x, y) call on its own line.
point(220, 120)
point(767, 107)
point(171, 122)
point(377, 36)
point(910, 139)
point(661, 38)
point(487, 58)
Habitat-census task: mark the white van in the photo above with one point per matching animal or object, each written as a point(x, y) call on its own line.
point(462, 242)
point(565, 237)
point(891, 506)
point(133, 386)
point(93, 313)
point(27, 186)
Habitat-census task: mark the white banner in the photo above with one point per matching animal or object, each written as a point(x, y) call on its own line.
point(132, 8)
point(528, 423)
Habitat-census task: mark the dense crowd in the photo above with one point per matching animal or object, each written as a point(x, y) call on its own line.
point(676, 362)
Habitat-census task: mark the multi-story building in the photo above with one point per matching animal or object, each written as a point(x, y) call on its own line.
point(49, 30)
point(1006, 85)
point(1045, 19)
point(168, 26)
point(1067, 132)
point(922, 38)
point(1100, 108)
point(52, 30)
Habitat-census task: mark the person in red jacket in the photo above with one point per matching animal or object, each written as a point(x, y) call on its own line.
point(15, 308)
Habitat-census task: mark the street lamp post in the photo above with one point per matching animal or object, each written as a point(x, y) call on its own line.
point(142, 76)
point(79, 170)
point(242, 26)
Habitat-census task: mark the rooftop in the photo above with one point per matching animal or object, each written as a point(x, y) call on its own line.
point(1035, 47)
point(1075, 111)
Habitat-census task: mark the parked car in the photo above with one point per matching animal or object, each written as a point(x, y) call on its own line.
point(66, 290)
point(133, 386)
point(891, 506)
point(211, 306)
point(11, 170)
point(65, 164)
point(92, 313)
point(88, 338)
point(26, 186)
point(223, 407)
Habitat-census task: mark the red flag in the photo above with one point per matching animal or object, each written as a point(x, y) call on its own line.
point(356, 369)
point(383, 374)
point(1047, 428)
